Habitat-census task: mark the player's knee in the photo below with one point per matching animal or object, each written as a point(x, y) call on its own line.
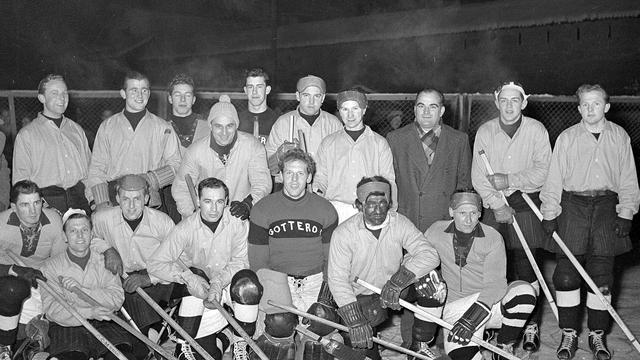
point(424, 330)
point(246, 288)
point(15, 292)
point(521, 292)
point(564, 279)
point(465, 353)
point(280, 325)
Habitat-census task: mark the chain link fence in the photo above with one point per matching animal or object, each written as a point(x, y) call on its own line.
point(385, 112)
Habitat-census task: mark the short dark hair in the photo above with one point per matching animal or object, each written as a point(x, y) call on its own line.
point(77, 216)
point(23, 187)
point(213, 183)
point(437, 92)
point(42, 85)
point(256, 72)
point(181, 79)
point(585, 88)
point(134, 75)
point(376, 178)
point(298, 154)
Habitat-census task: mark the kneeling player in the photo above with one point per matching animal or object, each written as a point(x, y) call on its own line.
point(473, 263)
point(81, 268)
point(213, 244)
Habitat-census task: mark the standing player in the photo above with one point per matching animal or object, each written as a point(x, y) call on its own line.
point(188, 125)
point(133, 141)
point(258, 118)
point(518, 150)
point(314, 123)
point(53, 151)
point(589, 198)
point(349, 154)
point(290, 233)
point(431, 160)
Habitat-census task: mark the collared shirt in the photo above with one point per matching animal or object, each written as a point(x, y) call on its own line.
point(51, 156)
point(524, 157)
point(94, 279)
point(324, 125)
point(342, 162)
point(135, 247)
point(50, 242)
point(485, 269)
point(119, 150)
point(356, 252)
point(245, 173)
point(220, 255)
point(581, 162)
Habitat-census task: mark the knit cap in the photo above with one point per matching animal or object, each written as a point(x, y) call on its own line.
point(311, 80)
point(354, 95)
point(224, 107)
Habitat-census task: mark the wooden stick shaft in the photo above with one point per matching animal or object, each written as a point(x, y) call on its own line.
point(172, 322)
point(340, 327)
point(135, 332)
point(439, 321)
point(586, 277)
point(292, 126)
point(192, 191)
point(165, 324)
point(73, 312)
point(303, 140)
point(127, 317)
point(525, 246)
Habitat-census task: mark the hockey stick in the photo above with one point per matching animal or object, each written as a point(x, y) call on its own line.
point(586, 277)
point(56, 295)
point(123, 324)
point(525, 246)
point(341, 327)
point(171, 322)
point(439, 321)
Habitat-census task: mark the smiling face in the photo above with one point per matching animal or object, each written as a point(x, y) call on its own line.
point(132, 203)
point(351, 114)
point(136, 95)
point(593, 108)
point(212, 203)
point(510, 104)
point(295, 178)
point(28, 208)
point(311, 99)
point(428, 110)
point(78, 234)
point(55, 98)
point(223, 129)
point(182, 100)
point(466, 217)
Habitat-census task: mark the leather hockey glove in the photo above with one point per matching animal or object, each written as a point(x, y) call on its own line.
point(462, 331)
point(390, 294)
point(360, 330)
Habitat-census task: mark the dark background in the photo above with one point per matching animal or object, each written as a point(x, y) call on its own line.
point(463, 46)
